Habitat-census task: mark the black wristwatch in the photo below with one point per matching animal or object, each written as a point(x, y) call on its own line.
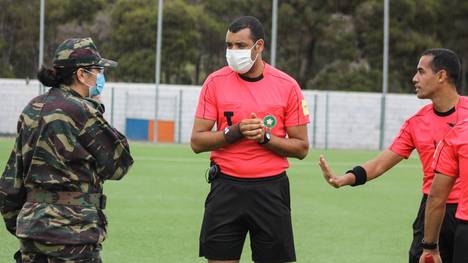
point(266, 138)
point(428, 246)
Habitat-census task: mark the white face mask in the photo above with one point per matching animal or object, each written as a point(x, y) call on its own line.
point(240, 60)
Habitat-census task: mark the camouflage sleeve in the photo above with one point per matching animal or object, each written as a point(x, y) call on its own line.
point(108, 146)
point(12, 191)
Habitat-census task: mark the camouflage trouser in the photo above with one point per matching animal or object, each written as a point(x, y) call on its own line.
point(36, 252)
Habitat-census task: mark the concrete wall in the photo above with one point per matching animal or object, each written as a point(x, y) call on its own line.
point(345, 120)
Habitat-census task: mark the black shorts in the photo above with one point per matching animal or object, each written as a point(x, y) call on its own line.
point(236, 206)
point(460, 251)
point(447, 233)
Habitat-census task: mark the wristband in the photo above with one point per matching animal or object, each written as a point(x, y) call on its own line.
point(428, 246)
point(360, 175)
point(232, 133)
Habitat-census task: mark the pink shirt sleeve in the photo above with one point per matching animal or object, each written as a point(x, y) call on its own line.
point(297, 112)
point(445, 159)
point(403, 144)
point(207, 108)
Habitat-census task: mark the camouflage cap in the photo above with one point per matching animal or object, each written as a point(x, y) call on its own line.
point(80, 52)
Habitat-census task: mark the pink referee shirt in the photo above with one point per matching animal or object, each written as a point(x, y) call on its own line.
point(451, 159)
point(423, 132)
point(276, 98)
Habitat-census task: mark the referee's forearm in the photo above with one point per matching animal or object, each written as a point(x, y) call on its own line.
point(380, 164)
point(207, 141)
point(288, 147)
point(434, 215)
point(435, 206)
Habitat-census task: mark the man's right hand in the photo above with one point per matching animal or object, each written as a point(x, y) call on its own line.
point(430, 256)
point(330, 176)
point(252, 128)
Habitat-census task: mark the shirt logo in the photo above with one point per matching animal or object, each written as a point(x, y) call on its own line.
point(269, 121)
point(305, 108)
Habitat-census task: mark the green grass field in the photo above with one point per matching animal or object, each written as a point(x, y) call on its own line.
point(155, 211)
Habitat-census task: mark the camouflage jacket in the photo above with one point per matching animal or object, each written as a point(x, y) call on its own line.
point(63, 143)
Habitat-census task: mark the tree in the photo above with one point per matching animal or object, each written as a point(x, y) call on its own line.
point(452, 29)
point(19, 24)
point(324, 44)
point(19, 38)
point(134, 36)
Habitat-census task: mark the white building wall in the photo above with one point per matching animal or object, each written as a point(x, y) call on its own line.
point(346, 120)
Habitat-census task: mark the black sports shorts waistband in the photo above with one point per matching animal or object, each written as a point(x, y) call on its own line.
point(260, 179)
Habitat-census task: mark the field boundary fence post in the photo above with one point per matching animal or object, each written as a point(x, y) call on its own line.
point(314, 123)
point(327, 116)
point(179, 119)
point(382, 121)
point(125, 112)
point(112, 105)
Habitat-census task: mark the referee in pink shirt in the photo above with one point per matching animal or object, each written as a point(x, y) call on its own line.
point(451, 165)
point(436, 77)
point(261, 119)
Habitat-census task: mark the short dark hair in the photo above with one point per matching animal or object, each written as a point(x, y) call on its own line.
point(446, 59)
point(256, 28)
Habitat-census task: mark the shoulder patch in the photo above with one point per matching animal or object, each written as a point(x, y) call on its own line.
point(305, 108)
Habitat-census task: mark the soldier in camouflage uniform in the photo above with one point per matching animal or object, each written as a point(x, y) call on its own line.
point(51, 190)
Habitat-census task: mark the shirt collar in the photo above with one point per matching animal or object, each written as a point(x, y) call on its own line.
point(67, 89)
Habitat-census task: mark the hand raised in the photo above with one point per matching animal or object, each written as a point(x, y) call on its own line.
point(329, 175)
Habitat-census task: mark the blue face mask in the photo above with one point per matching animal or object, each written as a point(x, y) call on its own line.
point(100, 81)
point(96, 90)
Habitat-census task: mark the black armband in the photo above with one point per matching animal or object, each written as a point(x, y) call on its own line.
point(232, 133)
point(360, 175)
point(428, 246)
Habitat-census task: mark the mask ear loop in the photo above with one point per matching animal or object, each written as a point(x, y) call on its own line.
point(251, 51)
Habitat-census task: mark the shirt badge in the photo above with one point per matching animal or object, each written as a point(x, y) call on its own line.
point(269, 121)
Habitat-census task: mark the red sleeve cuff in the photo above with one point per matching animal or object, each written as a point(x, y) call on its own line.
point(448, 172)
point(399, 152)
point(205, 117)
point(292, 124)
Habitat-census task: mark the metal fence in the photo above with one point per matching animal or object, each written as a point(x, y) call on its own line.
point(346, 120)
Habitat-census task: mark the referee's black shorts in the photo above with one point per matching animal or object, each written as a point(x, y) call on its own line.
point(447, 233)
point(460, 251)
point(236, 206)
